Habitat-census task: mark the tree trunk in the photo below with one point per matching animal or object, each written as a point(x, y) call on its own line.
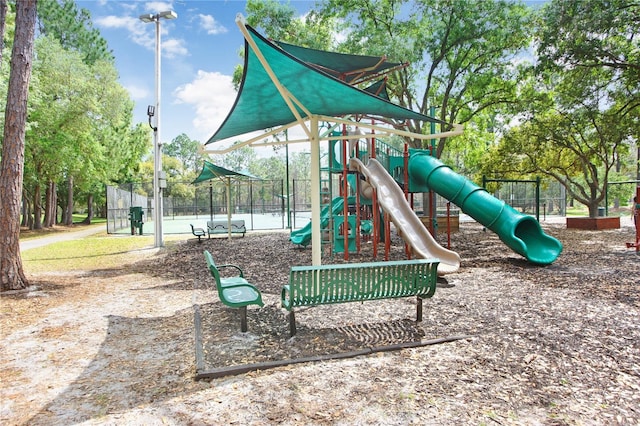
point(89, 218)
point(62, 200)
point(37, 207)
point(50, 206)
point(46, 222)
point(69, 215)
point(27, 218)
point(54, 201)
point(26, 211)
point(12, 275)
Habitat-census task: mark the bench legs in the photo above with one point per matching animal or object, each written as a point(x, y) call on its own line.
point(292, 323)
point(292, 317)
point(243, 319)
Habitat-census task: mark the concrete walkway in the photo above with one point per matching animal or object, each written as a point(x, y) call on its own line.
point(62, 236)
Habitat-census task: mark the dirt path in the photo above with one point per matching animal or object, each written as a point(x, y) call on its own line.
point(68, 234)
point(554, 345)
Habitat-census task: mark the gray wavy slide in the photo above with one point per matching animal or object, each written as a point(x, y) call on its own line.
point(408, 224)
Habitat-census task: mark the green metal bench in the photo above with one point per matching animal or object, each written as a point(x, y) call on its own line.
point(236, 291)
point(236, 226)
point(198, 232)
point(358, 282)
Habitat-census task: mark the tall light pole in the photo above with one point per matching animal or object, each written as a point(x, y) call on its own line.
point(159, 178)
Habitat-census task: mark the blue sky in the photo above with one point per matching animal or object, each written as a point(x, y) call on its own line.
point(199, 52)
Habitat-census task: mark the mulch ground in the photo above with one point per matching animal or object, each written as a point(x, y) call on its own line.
point(551, 345)
point(570, 328)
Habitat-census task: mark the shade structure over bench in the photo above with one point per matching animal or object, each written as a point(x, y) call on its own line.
point(211, 171)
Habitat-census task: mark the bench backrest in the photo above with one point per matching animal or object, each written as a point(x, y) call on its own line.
point(212, 268)
point(236, 223)
point(310, 285)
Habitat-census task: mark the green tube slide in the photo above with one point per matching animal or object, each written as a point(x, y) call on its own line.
point(302, 236)
point(520, 232)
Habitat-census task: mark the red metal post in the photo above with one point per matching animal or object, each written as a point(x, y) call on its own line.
point(449, 225)
point(376, 222)
point(636, 220)
point(372, 154)
point(636, 217)
point(387, 236)
point(345, 195)
point(374, 201)
point(405, 156)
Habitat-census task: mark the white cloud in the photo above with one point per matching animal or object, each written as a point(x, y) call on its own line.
point(212, 95)
point(137, 32)
point(144, 34)
point(174, 47)
point(128, 22)
point(157, 6)
point(210, 25)
point(137, 92)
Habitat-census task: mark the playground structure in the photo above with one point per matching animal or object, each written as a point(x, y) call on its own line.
point(280, 89)
point(416, 171)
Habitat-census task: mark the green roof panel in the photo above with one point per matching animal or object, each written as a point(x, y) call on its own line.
point(211, 171)
point(343, 66)
point(259, 105)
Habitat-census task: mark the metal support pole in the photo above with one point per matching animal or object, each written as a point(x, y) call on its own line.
point(158, 177)
point(157, 152)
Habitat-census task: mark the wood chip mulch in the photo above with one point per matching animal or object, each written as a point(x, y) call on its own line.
point(542, 335)
point(544, 345)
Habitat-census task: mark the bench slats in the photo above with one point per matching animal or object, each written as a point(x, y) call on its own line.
point(358, 282)
point(222, 227)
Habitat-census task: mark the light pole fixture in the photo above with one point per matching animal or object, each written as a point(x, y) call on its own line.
point(159, 177)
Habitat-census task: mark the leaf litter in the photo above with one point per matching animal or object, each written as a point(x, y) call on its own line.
point(557, 345)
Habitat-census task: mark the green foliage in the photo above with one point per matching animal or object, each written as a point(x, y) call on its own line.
point(299, 165)
point(79, 123)
point(579, 148)
point(580, 126)
point(592, 34)
point(461, 52)
point(279, 22)
point(272, 167)
point(7, 30)
point(237, 160)
point(80, 118)
point(622, 192)
point(73, 28)
point(186, 150)
point(466, 153)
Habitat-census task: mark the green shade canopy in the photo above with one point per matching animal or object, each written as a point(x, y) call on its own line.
point(350, 68)
point(379, 89)
point(211, 171)
point(260, 104)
